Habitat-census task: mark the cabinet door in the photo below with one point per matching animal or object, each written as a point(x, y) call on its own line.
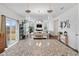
point(2, 33)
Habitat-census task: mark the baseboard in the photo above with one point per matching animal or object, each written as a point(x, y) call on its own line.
point(69, 46)
point(11, 45)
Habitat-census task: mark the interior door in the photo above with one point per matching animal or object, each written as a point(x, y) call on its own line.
point(2, 33)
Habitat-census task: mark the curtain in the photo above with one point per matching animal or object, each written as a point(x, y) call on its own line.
point(2, 33)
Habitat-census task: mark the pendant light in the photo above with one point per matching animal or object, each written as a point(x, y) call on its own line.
point(28, 10)
point(49, 10)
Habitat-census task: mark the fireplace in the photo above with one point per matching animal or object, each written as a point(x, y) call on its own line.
point(39, 27)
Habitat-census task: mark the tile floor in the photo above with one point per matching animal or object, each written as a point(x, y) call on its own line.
point(43, 47)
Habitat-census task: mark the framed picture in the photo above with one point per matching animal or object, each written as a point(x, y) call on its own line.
point(65, 24)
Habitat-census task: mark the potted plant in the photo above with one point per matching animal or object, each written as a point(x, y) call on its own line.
point(30, 29)
point(60, 34)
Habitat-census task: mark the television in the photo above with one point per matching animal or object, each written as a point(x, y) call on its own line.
point(39, 26)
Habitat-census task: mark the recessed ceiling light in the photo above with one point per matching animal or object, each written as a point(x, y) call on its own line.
point(28, 11)
point(62, 8)
point(50, 11)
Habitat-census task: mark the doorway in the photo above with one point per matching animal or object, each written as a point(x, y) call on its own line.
point(11, 29)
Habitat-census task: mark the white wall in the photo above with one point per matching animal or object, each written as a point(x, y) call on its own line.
point(72, 15)
point(77, 22)
point(9, 13)
point(55, 23)
point(50, 24)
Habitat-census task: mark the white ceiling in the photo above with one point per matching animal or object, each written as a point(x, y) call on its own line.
point(38, 8)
